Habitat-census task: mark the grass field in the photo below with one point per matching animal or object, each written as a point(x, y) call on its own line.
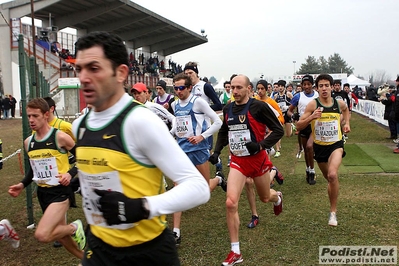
point(367, 209)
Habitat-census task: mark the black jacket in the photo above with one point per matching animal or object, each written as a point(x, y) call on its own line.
point(396, 104)
point(372, 94)
point(388, 106)
point(6, 103)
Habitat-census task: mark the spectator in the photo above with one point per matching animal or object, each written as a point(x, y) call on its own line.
point(395, 113)
point(387, 101)
point(358, 92)
point(6, 107)
point(13, 103)
point(372, 93)
point(1, 106)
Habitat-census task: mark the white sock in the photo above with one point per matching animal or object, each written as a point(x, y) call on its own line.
point(308, 169)
point(177, 231)
point(220, 179)
point(311, 170)
point(278, 202)
point(235, 247)
point(75, 227)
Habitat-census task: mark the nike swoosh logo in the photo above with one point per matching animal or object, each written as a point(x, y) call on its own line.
point(335, 109)
point(49, 143)
point(105, 136)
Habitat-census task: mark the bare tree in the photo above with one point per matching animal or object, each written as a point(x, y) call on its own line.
point(379, 77)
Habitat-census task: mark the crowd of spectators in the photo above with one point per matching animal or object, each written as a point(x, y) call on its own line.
point(152, 66)
point(7, 107)
point(138, 66)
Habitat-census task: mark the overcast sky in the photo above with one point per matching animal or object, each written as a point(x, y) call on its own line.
point(265, 37)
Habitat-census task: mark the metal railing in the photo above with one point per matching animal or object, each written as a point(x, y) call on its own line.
point(54, 63)
point(150, 81)
point(51, 62)
point(48, 58)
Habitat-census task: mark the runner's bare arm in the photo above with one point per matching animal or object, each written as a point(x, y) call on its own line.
point(307, 116)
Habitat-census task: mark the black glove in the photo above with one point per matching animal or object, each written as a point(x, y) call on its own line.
point(295, 116)
point(75, 185)
point(214, 158)
point(119, 209)
point(252, 147)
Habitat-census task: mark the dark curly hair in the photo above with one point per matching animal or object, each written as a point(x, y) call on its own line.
point(113, 46)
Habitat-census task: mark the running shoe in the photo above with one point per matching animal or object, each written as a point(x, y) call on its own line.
point(10, 234)
point(278, 208)
point(254, 222)
point(299, 154)
point(307, 176)
point(232, 259)
point(223, 184)
point(396, 150)
point(79, 235)
point(279, 176)
point(332, 220)
point(177, 239)
point(277, 154)
point(312, 180)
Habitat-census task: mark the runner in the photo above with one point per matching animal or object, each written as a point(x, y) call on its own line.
point(226, 95)
point(262, 86)
point(163, 98)
point(206, 92)
point(283, 98)
point(300, 101)
point(192, 132)
point(48, 150)
point(244, 128)
point(66, 127)
point(140, 92)
point(325, 114)
point(120, 170)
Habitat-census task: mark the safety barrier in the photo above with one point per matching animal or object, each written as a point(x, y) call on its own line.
point(373, 110)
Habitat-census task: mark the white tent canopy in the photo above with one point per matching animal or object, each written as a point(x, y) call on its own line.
point(220, 84)
point(353, 81)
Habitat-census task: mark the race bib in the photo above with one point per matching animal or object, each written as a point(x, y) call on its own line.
point(90, 200)
point(45, 171)
point(327, 131)
point(184, 126)
point(237, 140)
point(283, 106)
